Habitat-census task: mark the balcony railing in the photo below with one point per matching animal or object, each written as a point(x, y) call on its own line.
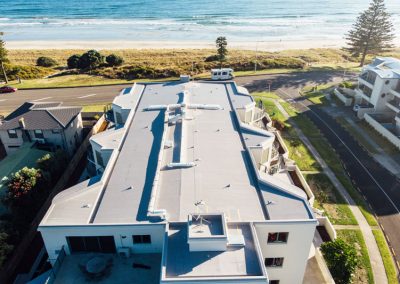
point(394, 104)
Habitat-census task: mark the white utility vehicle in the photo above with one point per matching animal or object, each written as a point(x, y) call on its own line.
point(222, 74)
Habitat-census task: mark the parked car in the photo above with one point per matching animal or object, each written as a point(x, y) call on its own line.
point(7, 89)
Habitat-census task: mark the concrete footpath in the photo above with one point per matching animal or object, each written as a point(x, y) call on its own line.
point(378, 268)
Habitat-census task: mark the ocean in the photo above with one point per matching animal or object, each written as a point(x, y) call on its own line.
point(182, 20)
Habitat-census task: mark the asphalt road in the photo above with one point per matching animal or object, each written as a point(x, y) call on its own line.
point(104, 94)
point(69, 96)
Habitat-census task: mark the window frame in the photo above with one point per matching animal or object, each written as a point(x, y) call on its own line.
point(278, 239)
point(12, 133)
point(141, 239)
point(38, 135)
point(275, 261)
point(274, 281)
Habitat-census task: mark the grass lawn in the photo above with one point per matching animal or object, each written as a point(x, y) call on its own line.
point(269, 95)
point(388, 147)
point(93, 108)
point(328, 199)
point(321, 145)
point(390, 268)
point(75, 81)
point(363, 272)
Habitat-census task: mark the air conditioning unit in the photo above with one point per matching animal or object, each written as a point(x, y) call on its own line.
point(124, 252)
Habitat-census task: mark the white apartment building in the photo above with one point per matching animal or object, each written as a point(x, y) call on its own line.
point(193, 188)
point(378, 97)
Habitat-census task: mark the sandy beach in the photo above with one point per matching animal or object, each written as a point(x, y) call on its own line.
point(110, 45)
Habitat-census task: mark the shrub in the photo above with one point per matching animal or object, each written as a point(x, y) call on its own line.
point(341, 259)
point(90, 60)
point(114, 60)
point(212, 58)
point(25, 72)
point(73, 61)
point(45, 62)
point(347, 85)
point(22, 182)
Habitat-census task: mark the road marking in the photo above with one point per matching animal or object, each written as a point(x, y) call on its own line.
point(42, 99)
point(91, 95)
point(351, 152)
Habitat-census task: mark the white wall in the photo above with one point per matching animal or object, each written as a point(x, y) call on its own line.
point(295, 252)
point(7, 141)
point(382, 86)
point(55, 237)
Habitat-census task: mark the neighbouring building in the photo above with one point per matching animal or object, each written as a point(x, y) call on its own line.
point(47, 123)
point(193, 186)
point(378, 97)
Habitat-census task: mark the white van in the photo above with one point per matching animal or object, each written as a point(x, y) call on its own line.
point(222, 74)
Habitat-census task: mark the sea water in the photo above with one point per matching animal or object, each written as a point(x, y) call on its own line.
point(174, 20)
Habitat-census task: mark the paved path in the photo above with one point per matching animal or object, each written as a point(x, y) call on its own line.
point(378, 268)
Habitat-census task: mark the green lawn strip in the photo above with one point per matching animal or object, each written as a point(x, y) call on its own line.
point(328, 154)
point(388, 147)
point(364, 271)
point(356, 135)
point(269, 95)
point(81, 80)
point(390, 268)
point(328, 199)
point(298, 152)
point(93, 108)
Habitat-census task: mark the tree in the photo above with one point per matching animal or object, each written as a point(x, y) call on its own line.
point(73, 61)
point(90, 59)
point(114, 60)
point(341, 259)
point(3, 57)
point(222, 51)
point(44, 61)
point(372, 33)
point(22, 182)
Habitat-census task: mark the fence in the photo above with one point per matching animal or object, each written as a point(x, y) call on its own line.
point(12, 263)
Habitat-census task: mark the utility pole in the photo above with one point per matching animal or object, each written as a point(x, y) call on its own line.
point(255, 64)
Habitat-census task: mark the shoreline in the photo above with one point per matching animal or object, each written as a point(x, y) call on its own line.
point(115, 45)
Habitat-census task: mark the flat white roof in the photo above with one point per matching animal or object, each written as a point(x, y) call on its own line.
point(223, 178)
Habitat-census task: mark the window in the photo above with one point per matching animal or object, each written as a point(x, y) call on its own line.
point(224, 73)
point(141, 239)
point(104, 244)
point(118, 118)
point(12, 133)
point(273, 281)
point(38, 133)
point(55, 131)
point(277, 237)
point(13, 146)
point(274, 262)
point(99, 158)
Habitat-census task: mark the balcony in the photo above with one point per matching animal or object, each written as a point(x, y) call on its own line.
point(368, 79)
point(394, 104)
point(396, 91)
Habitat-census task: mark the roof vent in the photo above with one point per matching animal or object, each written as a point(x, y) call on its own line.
point(86, 206)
